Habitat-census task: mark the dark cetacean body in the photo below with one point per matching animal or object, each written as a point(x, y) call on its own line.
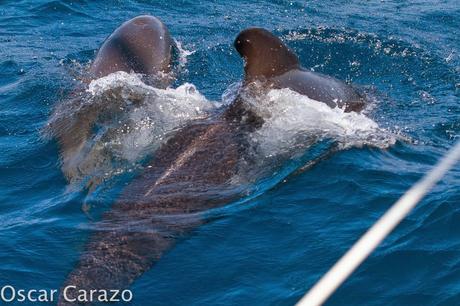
point(269, 60)
point(142, 45)
point(189, 174)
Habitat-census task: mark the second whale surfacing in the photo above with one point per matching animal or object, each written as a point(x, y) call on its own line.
point(269, 61)
point(192, 173)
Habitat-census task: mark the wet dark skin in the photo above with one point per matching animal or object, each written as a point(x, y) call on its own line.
point(268, 60)
point(191, 173)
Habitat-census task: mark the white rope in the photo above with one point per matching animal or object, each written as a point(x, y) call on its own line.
point(326, 286)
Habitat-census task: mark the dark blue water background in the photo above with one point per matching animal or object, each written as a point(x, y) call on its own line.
point(270, 253)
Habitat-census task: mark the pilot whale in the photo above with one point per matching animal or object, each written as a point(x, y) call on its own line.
point(141, 45)
point(269, 61)
point(191, 174)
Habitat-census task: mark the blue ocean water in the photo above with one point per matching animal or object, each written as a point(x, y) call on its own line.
point(276, 247)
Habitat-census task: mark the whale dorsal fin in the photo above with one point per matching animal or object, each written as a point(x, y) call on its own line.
point(265, 54)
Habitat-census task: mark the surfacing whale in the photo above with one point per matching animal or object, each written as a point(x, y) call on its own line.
point(269, 61)
point(189, 174)
point(192, 173)
point(141, 45)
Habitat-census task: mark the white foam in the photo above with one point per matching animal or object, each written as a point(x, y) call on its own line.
point(183, 55)
point(135, 119)
point(129, 121)
point(229, 95)
point(115, 80)
point(157, 112)
point(292, 120)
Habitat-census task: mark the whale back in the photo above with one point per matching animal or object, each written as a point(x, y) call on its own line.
point(142, 45)
point(265, 55)
point(269, 60)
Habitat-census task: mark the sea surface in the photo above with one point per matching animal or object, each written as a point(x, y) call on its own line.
point(271, 247)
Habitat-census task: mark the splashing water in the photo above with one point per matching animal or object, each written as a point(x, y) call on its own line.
point(290, 117)
point(183, 56)
point(407, 53)
point(160, 111)
point(298, 132)
point(133, 120)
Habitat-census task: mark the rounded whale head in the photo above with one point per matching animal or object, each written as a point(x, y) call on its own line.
point(265, 55)
point(142, 45)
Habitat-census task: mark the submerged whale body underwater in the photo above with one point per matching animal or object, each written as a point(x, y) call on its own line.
point(200, 163)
